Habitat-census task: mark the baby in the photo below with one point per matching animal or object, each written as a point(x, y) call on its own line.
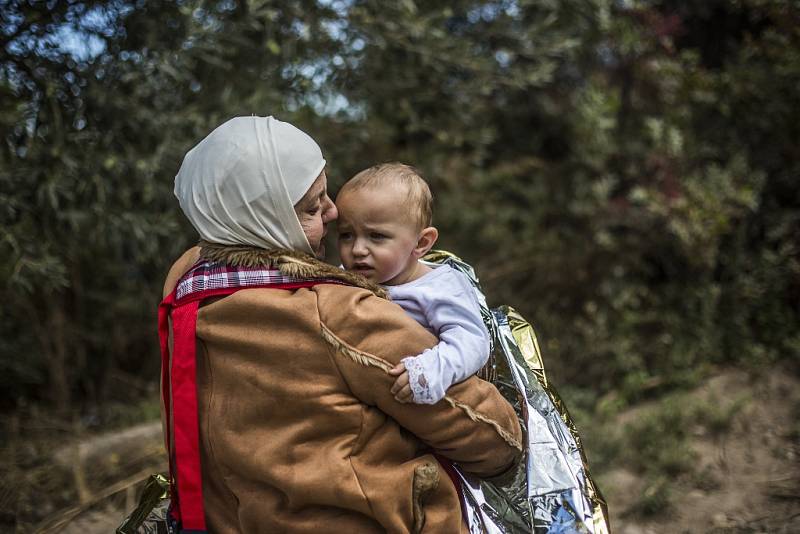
point(384, 229)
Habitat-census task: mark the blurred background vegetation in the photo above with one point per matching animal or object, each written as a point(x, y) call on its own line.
point(623, 172)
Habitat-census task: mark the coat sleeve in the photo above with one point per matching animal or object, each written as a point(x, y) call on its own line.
point(179, 268)
point(473, 425)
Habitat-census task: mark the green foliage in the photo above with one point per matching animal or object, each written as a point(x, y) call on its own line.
point(614, 172)
point(638, 231)
point(657, 442)
point(92, 141)
point(656, 498)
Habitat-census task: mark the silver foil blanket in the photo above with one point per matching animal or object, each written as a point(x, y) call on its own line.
point(551, 490)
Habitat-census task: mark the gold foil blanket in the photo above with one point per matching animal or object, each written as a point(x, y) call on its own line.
point(551, 490)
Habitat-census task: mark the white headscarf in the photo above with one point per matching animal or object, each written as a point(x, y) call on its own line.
point(239, 185)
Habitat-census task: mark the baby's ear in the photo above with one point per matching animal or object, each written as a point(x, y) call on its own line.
point(427, 238)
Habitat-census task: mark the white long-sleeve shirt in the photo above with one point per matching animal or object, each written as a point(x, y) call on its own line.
point(444, 302)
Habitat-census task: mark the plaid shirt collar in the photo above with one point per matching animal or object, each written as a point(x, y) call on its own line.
point(207, 275)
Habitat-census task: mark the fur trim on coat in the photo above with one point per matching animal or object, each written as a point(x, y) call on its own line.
point(288, 262)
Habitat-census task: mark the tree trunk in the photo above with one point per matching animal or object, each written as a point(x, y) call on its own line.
point(56, 349)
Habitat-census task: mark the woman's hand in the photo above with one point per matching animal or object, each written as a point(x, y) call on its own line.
point(401, 388)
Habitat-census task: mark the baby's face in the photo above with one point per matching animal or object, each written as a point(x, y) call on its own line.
point(377, 234)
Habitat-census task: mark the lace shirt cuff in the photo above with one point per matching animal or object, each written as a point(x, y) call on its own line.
point(423, 380)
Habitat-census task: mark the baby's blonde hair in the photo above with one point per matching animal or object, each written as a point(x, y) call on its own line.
point(420, 199)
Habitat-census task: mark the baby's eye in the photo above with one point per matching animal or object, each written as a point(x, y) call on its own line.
point(377, 236)
point(345, 235)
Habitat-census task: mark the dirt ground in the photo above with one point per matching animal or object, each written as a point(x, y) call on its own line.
point(746, 479)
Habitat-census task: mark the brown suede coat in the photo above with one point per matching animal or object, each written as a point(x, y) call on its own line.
point(298, 429)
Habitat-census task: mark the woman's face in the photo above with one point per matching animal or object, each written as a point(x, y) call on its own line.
point(314, 211)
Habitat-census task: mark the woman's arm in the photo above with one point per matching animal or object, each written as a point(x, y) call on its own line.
point(368, 336)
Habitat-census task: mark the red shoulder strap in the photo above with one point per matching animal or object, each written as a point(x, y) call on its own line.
point(179, 399)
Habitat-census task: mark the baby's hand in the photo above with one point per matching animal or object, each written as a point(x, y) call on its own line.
point(401, 388)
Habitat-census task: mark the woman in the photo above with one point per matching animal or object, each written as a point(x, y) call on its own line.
point(293, 427)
